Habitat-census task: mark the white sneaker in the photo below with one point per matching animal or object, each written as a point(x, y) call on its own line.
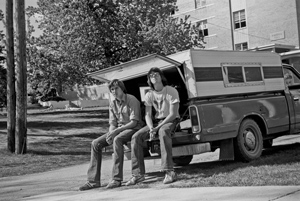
point(170, 177)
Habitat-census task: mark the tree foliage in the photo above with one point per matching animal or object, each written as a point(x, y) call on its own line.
point(3, 82)
point(84, 36)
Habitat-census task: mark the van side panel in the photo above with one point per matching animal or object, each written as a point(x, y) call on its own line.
point(221, 120)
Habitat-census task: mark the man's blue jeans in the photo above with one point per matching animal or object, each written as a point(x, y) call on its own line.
point(94, 171)
point(137, 155)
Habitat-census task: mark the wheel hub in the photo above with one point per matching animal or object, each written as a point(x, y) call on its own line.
point(249, 139)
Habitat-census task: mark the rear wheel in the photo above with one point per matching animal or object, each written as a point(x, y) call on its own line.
point(249, 142)
point(182, 160)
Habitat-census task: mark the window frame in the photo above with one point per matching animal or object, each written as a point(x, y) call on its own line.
point(202, 27)
point(239, 23)
point(290, 77)
point(226, 78)
point(200, 3)
point(241, 46)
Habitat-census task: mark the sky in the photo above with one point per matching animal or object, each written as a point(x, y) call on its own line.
point(27, 3)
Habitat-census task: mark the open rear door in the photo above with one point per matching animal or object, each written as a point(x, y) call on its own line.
point(135, 68)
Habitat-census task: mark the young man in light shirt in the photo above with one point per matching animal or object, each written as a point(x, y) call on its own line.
point(165, 100)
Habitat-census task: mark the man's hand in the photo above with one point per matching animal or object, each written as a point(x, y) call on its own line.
point(111, 135)
point(152, 133)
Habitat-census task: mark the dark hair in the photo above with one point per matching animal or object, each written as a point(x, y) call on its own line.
point(119, 83)
point(163, 78)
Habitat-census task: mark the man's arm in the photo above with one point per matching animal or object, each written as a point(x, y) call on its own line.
point(148, 116)
point(172, 115)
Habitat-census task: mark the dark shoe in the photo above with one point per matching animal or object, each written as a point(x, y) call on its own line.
point(114, 184)
point(135, 179)
point(88, 185)
point(170, 177)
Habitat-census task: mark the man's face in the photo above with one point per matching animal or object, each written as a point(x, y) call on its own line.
point(155, 77)
point(116, 91)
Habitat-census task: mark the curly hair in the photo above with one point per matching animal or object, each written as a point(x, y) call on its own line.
point(163, 78)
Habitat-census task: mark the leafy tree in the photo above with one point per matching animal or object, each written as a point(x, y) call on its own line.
point(3, 90)
point(84, 36)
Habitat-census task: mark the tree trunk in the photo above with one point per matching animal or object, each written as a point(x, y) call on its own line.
point(11, 91)
point(21, 116)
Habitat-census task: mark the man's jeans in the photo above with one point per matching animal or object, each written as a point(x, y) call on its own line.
point(94, 171)
point(137, 155)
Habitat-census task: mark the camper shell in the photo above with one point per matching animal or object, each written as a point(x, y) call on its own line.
point(237, 101)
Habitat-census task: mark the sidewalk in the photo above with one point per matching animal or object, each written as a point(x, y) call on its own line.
point(62, 185)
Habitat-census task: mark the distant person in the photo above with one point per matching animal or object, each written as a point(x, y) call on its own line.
point(165, 100)
point(124, 121)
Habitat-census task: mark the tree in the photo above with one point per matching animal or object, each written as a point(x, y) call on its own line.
point(11, 91)
point(83, 36)
point(21, 82)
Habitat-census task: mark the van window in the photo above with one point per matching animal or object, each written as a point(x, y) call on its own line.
point(253, 74)
point(290, 77)
point(235, 74)
point(242, 75)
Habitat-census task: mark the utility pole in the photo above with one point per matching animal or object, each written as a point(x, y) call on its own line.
point(11, 91)
point(21, 115)
point(231, 25)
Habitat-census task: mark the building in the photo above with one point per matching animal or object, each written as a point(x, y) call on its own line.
point(261, 25)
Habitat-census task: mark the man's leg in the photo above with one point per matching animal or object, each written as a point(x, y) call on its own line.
point(166, 146)
point(167, 164)
point(137, 154)
point(94, 170)
point(119, 141)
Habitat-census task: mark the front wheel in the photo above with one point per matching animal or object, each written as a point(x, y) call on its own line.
point(182, 160)
point(249, 142)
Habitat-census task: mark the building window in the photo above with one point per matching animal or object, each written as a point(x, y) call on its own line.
point(200, 3)
point(202, 27)
point(239, 19)
point(241, 46)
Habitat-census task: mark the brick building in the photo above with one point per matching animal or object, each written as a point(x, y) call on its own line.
point(264, 25)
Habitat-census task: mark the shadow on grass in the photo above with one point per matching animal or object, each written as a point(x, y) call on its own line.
point(66, 145)
point(65, 125)
point(277, 155)
point(58, 112)
point(53, 153)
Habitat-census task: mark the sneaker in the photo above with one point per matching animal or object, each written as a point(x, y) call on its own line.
point(114, 184)
point(135, 179)
point(170, 177)
point(88, 185)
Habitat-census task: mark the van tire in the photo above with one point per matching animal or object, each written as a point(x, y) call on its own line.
point(249, 142)
point(182, 160)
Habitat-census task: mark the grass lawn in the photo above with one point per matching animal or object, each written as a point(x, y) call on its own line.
point(62, 138)
point(55, 139)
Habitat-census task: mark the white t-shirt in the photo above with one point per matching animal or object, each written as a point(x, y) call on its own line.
point(162, 100)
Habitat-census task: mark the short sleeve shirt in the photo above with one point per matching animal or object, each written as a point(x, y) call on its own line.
point(121, 112)
point(162, 100)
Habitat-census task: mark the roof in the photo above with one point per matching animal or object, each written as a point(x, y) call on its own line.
point(135, 68)
point(291, 54)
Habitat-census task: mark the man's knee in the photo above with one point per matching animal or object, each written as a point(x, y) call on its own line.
point(164, 132)
point(136, 139)
point(118, 140)
point(96, 145)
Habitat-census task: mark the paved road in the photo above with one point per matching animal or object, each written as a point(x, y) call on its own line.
point(62, 185)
